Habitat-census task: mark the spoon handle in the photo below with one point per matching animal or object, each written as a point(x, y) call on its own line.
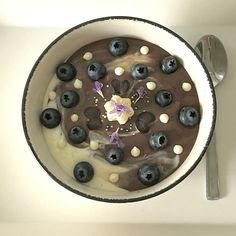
point(212, 178)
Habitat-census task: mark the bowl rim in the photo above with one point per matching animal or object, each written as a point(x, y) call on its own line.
point(116, 200)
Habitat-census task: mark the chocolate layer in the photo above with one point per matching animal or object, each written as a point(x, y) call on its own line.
point(126, 87)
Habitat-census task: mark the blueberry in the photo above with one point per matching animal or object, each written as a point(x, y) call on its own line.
point(189, 116)
point(149, 174)
point(65, 71)
point(118, 47)
point(169, 64)
point(77, 134)
point(158, 141)
point(139, 72)
point(69, 99)
point(115, 156)
point(50, 118)
point(83, 172)
point(96, 71)
point(163, 98)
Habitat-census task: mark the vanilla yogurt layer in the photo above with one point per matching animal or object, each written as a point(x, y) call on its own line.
point(67, 155)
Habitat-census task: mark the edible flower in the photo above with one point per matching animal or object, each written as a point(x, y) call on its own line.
point(98, 88)
point(119, 109)
point(114, 138)
point(141, 93)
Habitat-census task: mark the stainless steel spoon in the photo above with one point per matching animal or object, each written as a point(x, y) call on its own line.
point(213, 55)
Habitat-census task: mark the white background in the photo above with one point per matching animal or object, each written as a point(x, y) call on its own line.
point(30, 201)
point(67, 13)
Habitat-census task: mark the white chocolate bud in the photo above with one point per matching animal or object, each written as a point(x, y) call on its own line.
point(144, 50)
point(178, 149)
point(78, 84)
point(61, 143)
point(135, 152)
point(123, 116)
point(52, 95)
point(186, 86)
point(93, 145)
point(74, 117)
point(151, 85)
point(119, 71)
point(164, 118)
point(114, 178)
point(88, 56)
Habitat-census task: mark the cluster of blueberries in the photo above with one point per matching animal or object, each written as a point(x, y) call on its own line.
point(118, 47)
point(148, 174)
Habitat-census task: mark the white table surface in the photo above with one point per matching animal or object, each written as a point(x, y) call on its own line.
point(28, 194)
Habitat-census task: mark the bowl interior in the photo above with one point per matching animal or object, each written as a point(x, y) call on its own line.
point(68, 43)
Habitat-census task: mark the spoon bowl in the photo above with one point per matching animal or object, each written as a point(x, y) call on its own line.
point(213, 54)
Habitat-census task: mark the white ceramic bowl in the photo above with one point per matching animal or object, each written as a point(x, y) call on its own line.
point(64, 46)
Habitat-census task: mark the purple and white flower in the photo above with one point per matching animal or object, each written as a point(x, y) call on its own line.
point(98, 88)
point(141, 93)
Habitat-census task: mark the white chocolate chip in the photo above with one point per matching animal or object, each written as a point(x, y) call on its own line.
point(52, 95)
point(78, 84)
point(74, 117)
point(119, 71)
point(178, 149)
point(164, 118)
point(93, 145)
point(88, 56)
point(186, 86)
point(114, 178)
point(144, 50)
point(135, 152)
point(151, 85)
point(61, 143)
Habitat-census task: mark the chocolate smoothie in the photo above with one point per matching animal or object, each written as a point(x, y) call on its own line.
point(128, 114)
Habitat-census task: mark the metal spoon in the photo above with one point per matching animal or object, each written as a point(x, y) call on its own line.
point(213, 55)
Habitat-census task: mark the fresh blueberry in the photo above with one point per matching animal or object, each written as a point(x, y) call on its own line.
point(158, 141)
point(83, 172)
point(50, 118)
point(139, 72)
point(77, 134)
point(189, 116)
point(96, 71)
point(69, 99)
point(115, 156)
point(163, 98)
point(118, 47)
point(169, 64)
point(149, 174)
point(65, 71)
